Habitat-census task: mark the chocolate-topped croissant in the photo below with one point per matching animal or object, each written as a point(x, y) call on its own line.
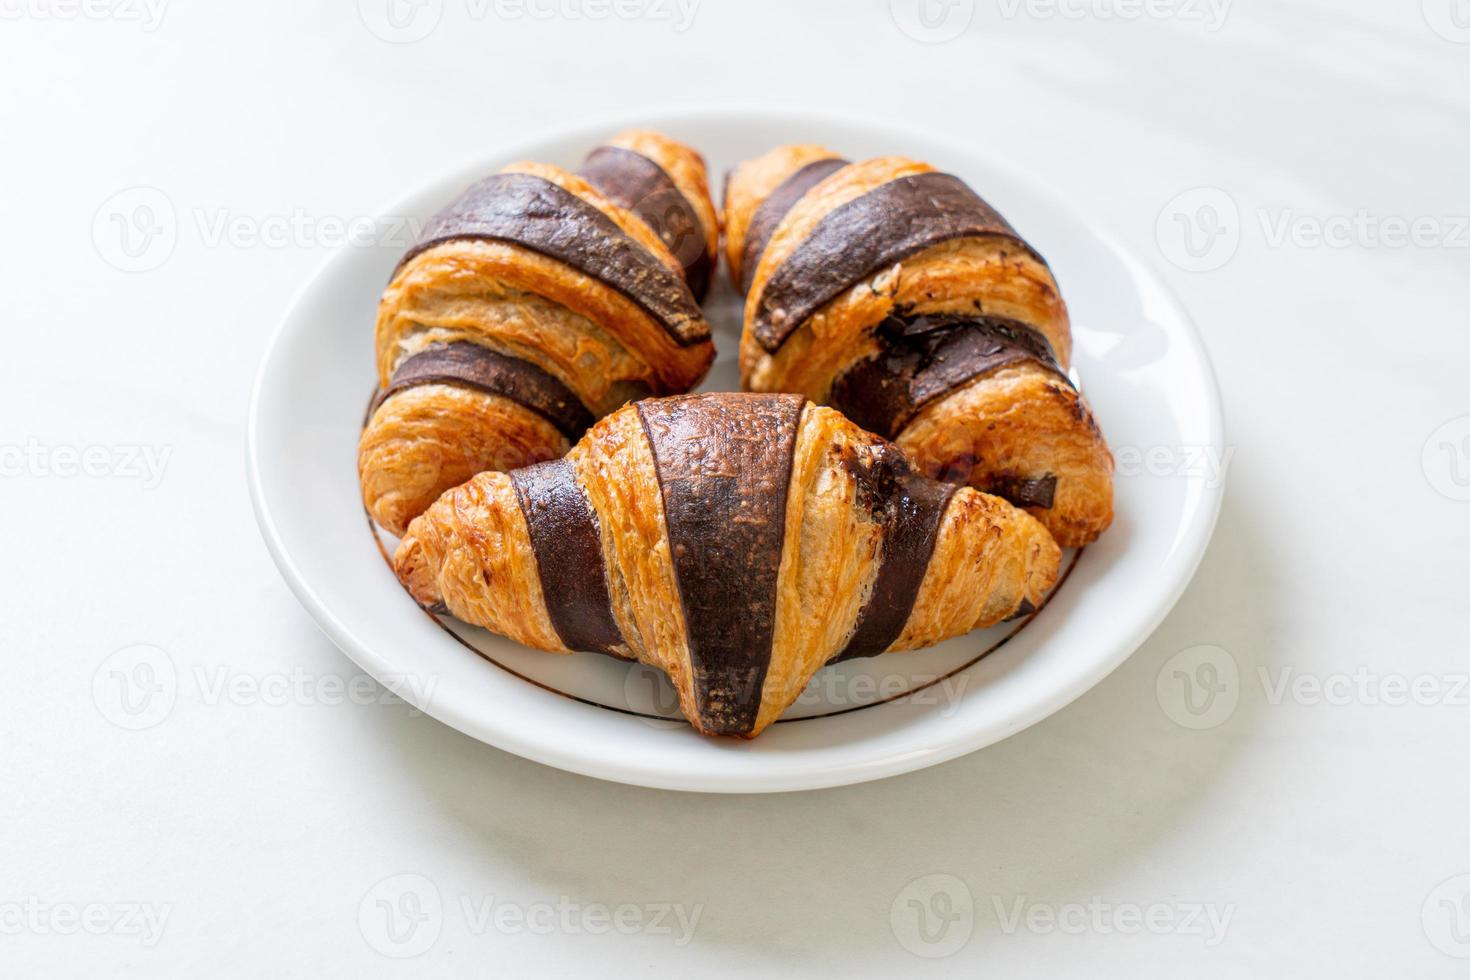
point(535, 303)
point(738, 542)
point(893, 293)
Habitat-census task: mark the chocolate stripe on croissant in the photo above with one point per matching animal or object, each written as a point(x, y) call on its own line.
point(532, 212)
point(474, 366)
point(923, 357)
point(912, 508)
point(1023, 491)
point(766, 217)
point(724, 463)
point(637, 183)
point(568, 550)
point(860, 238)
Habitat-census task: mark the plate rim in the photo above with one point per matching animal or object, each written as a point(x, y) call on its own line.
point(1192, 544)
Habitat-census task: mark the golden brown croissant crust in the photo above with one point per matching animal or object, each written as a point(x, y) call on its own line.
point(536, 302)
point(739, 542)
point(896, 294)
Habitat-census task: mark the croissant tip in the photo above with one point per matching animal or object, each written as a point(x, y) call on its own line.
point(411, 565)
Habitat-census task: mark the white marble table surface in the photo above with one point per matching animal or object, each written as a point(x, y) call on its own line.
point(1317, 828)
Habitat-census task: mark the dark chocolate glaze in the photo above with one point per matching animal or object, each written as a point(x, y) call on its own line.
point(469, 364)
point(781, 200)
point(860, 238)
point(910, 507)
point(923, 357)
point(1023, 491)
point(1026, 608)
point(534, 213)
point(637, 183)
point(568, 550)
point(724, 463)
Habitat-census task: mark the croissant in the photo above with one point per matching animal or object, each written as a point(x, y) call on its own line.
point(534, 304)
point(893, 293)
point(738, 542)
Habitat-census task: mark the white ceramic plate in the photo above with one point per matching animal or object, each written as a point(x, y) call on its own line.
point(1146, 374)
